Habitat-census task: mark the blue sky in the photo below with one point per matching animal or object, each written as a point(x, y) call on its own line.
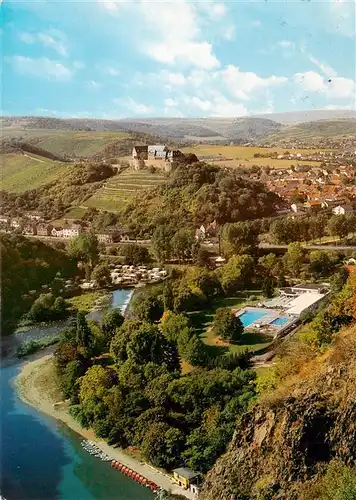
point(113, 59)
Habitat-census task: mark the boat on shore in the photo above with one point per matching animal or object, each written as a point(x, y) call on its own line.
point(135, 476)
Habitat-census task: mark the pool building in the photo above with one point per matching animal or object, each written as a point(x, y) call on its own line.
point(282, 313)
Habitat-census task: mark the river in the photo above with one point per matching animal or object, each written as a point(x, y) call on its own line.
point(42, 459)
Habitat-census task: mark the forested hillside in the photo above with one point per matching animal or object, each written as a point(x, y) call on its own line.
point(196, 194)
point(26, 265)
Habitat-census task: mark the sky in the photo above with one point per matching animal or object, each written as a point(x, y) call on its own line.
point(176, 58)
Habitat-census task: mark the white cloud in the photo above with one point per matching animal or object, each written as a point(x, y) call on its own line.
point(52, 38)
point(170, 103)
point(41, 67)
point(173, 34)
point(134, 107)
point(310, 81)
point(341, 88)
point(333, 88)
point(243, 84)
point(93, 84)
point(256, 24)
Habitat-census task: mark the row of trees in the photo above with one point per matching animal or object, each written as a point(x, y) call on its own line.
point(287, 230)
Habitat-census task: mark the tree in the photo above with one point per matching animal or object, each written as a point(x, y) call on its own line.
point(101, 275)
point(238, 238)
point(168, 296)
point(111, 320)
point(123, 335)
point(236, 273)
point(84, 336)
point(195, 351)
point(338, 226)
point(201, 256)
point(85, 248)
point(182, 244)
point(171, 325)
point(148, 305)
point(162, 445)
point(227, 325)
point(268, 287)
point(162, 243)
point(319, 263)
point(294, 258)
point(148, 345)
point(134, 254)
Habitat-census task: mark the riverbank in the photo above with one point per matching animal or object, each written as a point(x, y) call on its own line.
point(36, 386)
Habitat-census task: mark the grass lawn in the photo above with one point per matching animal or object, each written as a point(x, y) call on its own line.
point(203, 322)
point(86, 301)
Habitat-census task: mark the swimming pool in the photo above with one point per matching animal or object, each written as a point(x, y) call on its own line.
point(280, 321)
point(250, 316)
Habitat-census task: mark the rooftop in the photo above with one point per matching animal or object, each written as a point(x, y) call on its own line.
point(185, 472)
point(297, 305)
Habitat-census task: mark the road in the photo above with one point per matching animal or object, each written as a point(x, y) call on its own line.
point(309, 247)
point(270, 246)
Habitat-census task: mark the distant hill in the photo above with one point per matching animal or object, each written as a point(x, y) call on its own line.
point(178, 129)
point(293, 117)
point(88, 137)
point(314, 130)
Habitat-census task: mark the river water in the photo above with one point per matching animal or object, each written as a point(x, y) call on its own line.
point(42, 459)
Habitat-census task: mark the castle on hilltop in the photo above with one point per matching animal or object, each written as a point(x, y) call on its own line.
point(157, 155)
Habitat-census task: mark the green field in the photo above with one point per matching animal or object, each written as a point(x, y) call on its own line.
point(20, 173)
point(118, 191)
point(69, 142)
point(243, 155)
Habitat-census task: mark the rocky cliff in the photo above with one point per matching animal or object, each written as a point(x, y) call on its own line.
point(284, 442)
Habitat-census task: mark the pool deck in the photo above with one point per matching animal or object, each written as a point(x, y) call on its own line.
point(265, 321)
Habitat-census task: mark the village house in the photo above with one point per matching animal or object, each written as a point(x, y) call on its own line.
point(57, 231)
point(105, 238)
point(15, 223)
point(30, 229)
point(313, 206)
point(44, 229)
point(342, 209)
point(186, 477)
point(70, 231)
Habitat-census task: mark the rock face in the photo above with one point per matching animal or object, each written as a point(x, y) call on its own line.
point(283, 443)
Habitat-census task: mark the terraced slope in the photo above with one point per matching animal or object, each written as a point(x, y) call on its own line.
point(19, 173)
point(121, 189)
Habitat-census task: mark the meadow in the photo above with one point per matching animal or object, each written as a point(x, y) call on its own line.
point(20, 173)
point(234, 156)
